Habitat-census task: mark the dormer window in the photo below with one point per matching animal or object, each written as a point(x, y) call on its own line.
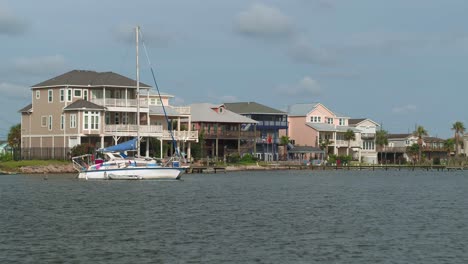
point(316, 119)
point(330, 121)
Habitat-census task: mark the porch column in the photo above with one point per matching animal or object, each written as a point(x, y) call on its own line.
point(147, 146)
point(255, 139)
point(189, 150)
point(335, 149)
point(161, 147)
point(102, 141)
point(217, 148)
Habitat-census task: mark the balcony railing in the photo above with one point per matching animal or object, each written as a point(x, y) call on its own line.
point(273, 123)
point(181, 135)
point(367, 135)
point(133, 128)
point(183, 110)
point(231, 134)
point(118, 102)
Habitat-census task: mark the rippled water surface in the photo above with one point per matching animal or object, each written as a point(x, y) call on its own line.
point(242, 217)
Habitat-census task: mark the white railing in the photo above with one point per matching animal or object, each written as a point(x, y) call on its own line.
point(181, 135)
point(133, 128)
point(118, 102)
point(183, 110)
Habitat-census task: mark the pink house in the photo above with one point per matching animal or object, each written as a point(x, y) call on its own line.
point(310, 124)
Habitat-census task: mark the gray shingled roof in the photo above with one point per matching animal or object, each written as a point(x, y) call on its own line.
point(251, 108)
point(305, 149)
point(330, 128)
point(90, 78)
point(204, 113)
point(355, 121)
point(300, 109)
point(83, 104)
point(397, 136)
point(26, 109)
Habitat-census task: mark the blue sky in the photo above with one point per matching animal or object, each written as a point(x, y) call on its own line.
point(399, 62)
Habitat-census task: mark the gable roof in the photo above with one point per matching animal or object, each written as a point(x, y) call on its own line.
point(330, 128)
point(204, 112)
point(398, 136)
point(83, 104)
point(300, 109)
point(26, 109)
point(91, 79)
point(251, 108)
point(356, 121)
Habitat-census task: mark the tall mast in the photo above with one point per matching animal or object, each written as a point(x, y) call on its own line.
point(137, 29)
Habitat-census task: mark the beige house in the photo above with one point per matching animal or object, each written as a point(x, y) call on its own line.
point(98, 108)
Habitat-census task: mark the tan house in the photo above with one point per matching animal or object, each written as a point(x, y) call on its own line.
point(98, 108)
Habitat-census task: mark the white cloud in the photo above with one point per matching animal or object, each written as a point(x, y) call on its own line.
point(10, 24)
point(263, 21)
point(10, 90)
point(305, 87)
point(40, 65)
point(404, 109)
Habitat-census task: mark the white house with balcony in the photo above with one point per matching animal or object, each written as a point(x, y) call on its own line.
point(101, 109)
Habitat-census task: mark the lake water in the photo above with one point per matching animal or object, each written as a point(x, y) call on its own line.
point(242, 217)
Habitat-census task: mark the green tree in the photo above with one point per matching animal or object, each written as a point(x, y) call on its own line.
point(448, 145)
point(324, 144)
point(420, 132)
point(459, 128)
point(381, 139)
point(14, 136)
point(284, 141)
point(348, 136)
point(414, 151)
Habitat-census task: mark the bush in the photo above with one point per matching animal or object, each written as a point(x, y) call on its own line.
point(82, 149)
point(233, 158)
point(247, 158)
point(6, 157)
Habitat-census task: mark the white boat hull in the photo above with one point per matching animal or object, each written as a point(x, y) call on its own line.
point(132, 173)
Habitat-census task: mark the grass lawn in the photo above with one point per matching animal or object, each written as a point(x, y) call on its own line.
point(15, 165)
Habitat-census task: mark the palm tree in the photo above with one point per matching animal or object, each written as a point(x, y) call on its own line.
point(448, 145)
point(284, 140)
point(420, 132)
point(381, 139)
point(414, 150)
point(324, 143)
point(459, 128)
point(349, 135)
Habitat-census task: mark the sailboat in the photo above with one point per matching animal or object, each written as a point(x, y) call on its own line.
point(115, 165)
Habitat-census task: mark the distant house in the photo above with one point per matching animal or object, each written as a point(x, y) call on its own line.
point(311, 124)
point(397, 149)
point(223, 131)
point(270, 122)
point(5, 148)
point(97, 108)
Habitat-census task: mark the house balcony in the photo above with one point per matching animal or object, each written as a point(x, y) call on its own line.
point(273, 124)
point(183, 110)
point(367, 135)
point(344, 143)
point(231, 134)
point(119, 102)
point(150, 131)
point(264, 141)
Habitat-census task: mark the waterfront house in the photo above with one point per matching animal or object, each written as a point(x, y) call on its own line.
point(313, 124)
point(223, 131)
point(397, 149)
point(270, 122)
point(97, 108)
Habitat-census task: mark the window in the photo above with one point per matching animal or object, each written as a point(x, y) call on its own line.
point(85, 95)
point(43, 121)
point(62, 122)
point(90, 120)
point(62, 95)
point(107, 118)
point(50, 96)
point(368, 145)
point(316, 119)
point(73, 121)
point(38, 94)
point(50, 122)
point(342, 122)
point(155, 101)
point(69, 95)
point(117, 118)
point(330, 120)
point(77, 92)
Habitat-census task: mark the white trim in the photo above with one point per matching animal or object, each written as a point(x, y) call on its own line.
point(62, 122)
point(38, 94)
point(50, 96)
point(62, 95)
point(43, 124)
point(73, 121)
point(50, 124)
point(76, 90)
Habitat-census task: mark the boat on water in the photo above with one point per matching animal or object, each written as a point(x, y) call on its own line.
point(114, 164)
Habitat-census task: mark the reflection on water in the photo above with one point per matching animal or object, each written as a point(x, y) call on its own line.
point(243, 217)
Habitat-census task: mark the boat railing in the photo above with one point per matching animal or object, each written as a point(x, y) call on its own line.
point(82, 162)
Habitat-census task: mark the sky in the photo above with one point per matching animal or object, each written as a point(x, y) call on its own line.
point(400, 63)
